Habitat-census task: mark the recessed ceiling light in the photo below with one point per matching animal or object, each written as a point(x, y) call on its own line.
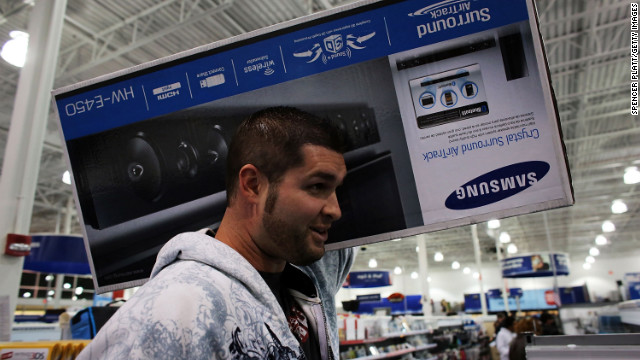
point(608, 226)
point(601, 240)
point(14, 51)
point(618, 207)
point(631, 175)
point(493, 224)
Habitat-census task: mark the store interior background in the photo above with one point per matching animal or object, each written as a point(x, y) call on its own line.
point(588, 48)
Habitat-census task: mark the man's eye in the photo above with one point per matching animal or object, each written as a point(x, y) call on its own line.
point(316, 187)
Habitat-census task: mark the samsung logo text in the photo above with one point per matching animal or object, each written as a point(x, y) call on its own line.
point(497, 185)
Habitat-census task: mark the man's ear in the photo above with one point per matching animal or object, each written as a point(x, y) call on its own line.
point(251, 182)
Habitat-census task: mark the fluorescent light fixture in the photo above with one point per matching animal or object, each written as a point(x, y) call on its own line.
point(466, 270)
point(631, 175)
point(14, 51)
point(438, 256)
point(493, 224)
point(608, 226)
point(414, 275)
point(455, 265)
point(505, 237)
point(397, 270)
point(590, 259)
point(594, 251)
point(586, 266)
point(618, 207)
point(601, 240)
point(512, 249)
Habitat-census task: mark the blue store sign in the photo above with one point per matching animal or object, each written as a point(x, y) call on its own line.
point(57, 254)
point(535, 265)
point(367, 279)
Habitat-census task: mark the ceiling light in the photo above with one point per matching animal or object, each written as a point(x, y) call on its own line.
point(66, 177)
point(586, 266)
point(49, 277)
point(414, 275)
point(512, 249)
point(601, 240)
point(590, 259)
point(455, 265)
point(417, 249)
point(631, 175)
point(608, 226)
point(398, 239)
point(493, 224)
point(466, 270)
point(26, 295)
point(428, 278)
point(373, 263)
point(397, 270)
point(505, 237)
point(438, 256)
point(14, 51)
point(476, 275)
point(74, 298)
point(618, 207)
point(66, 286)
point(51, 292)
point(79, 290)
point(594, 251)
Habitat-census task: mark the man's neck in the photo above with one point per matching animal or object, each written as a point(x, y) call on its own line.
point(238, 238)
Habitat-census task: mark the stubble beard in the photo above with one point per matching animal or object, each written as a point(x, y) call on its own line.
point(288, 240)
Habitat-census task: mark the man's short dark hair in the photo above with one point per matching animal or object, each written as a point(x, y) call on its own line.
point(271, 140)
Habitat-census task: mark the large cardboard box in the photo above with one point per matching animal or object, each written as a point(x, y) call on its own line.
point(447, 107)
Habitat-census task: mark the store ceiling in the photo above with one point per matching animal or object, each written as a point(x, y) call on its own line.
point(588, 48)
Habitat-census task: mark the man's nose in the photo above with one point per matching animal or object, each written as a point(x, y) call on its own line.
point(332, 208)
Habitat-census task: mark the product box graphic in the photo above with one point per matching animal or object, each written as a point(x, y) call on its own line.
point(446, 107)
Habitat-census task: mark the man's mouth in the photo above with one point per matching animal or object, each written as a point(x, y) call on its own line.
point(323, 231)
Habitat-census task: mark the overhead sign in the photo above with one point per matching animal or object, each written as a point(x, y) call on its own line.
point(57, 254)
point(367, 279)
point(535, 265)
point(446, 107)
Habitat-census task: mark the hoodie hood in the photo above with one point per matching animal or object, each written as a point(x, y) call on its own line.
point(202, 247)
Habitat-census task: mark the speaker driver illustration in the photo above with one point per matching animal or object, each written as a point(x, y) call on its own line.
point(144, 169)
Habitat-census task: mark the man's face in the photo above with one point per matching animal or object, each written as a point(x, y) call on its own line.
point(299, 209)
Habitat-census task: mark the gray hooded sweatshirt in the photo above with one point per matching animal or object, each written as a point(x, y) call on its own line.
point(205, 301)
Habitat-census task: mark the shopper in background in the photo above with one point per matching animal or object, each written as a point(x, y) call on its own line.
point(263, 288)
point(522, 327)
point(504, 337)
point(549, 326)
